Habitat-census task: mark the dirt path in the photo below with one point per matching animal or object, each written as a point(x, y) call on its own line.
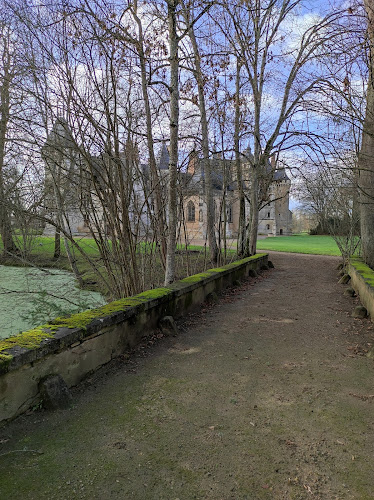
point(267, 395)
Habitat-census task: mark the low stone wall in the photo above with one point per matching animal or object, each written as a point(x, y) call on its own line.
point(73, 347)
point(362, 280)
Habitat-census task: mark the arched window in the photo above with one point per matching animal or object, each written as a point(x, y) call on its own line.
point(229, 214)
point(190, 212)
point(268, 226)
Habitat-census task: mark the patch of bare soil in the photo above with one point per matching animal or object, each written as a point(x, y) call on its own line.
point(266, 395)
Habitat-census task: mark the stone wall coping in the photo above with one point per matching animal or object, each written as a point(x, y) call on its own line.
point(64, 332)
point(362, 278)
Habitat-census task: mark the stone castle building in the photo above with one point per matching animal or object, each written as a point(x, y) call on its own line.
point(275, 217)
point(70, 188)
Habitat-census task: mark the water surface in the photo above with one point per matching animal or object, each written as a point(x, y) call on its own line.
point(30, 297)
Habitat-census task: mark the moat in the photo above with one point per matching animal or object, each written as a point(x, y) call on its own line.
point(30, 297)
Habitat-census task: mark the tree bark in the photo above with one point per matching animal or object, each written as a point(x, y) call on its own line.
point(366, 157)
point(9, 245)
point(212, 242)
point(174, 128)
point(251, 244)
point(57, 251)
point(238, 164)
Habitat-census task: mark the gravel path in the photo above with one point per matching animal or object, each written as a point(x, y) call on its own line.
point(266, 395)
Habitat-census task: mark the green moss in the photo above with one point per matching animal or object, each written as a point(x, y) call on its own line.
point(154, 294)
point(5, 359)
point(364, 270)
point(81, 320)
point(30, 339)
point(197, 277)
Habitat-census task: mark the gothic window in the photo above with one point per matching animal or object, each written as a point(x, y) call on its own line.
point(229, 214)
point(268, 226)
point(190, 212)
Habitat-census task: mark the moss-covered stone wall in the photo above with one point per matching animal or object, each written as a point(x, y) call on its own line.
point(362, 279)
point(75, 346)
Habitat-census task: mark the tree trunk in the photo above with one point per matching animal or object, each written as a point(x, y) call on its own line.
point(5, 226)
point(238, 164)
point(159, 222)
point(212, 242)
point(366, 157)
point(174, 127)
point(251, 244)
point(57, 251)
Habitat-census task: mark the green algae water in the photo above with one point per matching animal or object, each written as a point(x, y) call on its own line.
point(30, 297)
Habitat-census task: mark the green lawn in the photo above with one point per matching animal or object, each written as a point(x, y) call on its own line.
point(318, 245)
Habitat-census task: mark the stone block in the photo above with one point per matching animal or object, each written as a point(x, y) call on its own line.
point(344, 279)
point(212, 297)
point(168, 326)
point(360, 312)
point(54, 392)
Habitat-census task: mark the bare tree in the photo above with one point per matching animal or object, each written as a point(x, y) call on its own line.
point(199, 76)
point(238, 163)
point(258, 31)
point(10, 74)
point(329, 191)
point(174, 129)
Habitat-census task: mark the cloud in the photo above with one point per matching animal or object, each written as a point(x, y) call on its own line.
point(295, 26)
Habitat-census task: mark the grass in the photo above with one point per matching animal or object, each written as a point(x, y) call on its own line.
point(43, 247)
point(41, 250)
point(197, 260)
point(303, 243)
point(298, 243)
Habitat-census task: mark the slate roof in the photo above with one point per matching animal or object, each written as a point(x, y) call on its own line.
point(280, 175)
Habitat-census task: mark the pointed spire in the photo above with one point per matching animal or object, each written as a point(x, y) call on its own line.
point(163, 162)
point(60, 136)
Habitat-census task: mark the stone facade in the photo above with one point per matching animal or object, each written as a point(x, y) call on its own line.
point(275, 218)
point(71, 183)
